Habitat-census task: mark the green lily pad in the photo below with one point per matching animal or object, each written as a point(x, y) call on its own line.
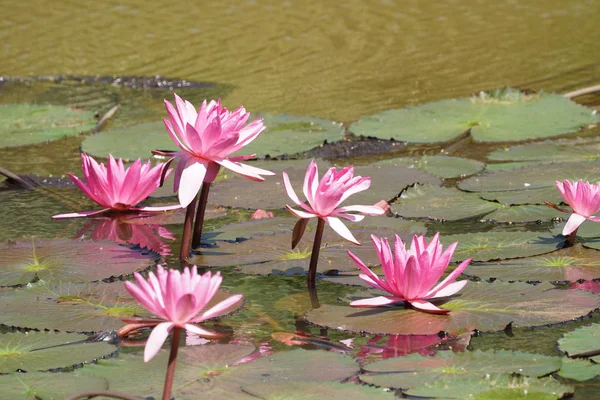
point(536, 177)
point(579, 370)
point(443, 167)
point(494, 387)
point(525, 196)
point(433, 202)
point(570, 264)
point(22, 124)
point(486, 246)
point(42, 351)
point(87, 308)
point(386, 183)
point(487, 307)
point(69, 260)
point(47, 386)
point(500, 116)
point(315, 391)
point(524, 214)
point(582, 340)
point(415, 370)
point(550, 151)
point(505, 166)
point(245, 230)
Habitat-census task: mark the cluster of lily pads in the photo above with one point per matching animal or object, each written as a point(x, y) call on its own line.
point(72, 287)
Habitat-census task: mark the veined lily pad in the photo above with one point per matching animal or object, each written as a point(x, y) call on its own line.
point(77, 308)
point(570, 264)
point(537, 177)
point(496, 387)
point(47, 386)
point(485, 246)
point(68, 260)
point(582, 340)
point(562, 150)
point(22, 124)
point(42, 351)
point(525, 196)
point(524, 214)
point(245, 230)
point(433, 202)
point(316, 391)
point(500, 116)
point(386, 183)
point(488, 307)
point(579, 370)
point(441, 166)
point(415, 370)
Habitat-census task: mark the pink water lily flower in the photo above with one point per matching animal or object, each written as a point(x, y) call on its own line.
point(206, 138)
point(177, 299)
point(584, 199)
point(117, 188)
point(410, 275)
point(325, 196)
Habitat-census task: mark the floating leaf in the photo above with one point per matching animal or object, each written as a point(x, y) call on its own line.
point(582, 340)
point(524, 196)
point(496, 387)
point(245, 230)
point(562, 150)
point(524, 214)
point(77, 308)
point(488, 307)
point(428, 201)
point(47, 386)
point(485, 246)
point(315, 391)
point(570, 264)
point(22, 124)
point(42, 351)
point(68, 260)
point(441, 166)
point(415, 370)
point(503, 115)
point(579, 370)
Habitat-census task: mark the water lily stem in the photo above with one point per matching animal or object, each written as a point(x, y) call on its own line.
point(570, 239)
point(172, 362)
point(187, 230)
point(200, 215)
point(314, 257)
point(103, 393)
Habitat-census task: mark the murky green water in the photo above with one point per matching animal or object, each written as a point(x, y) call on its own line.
point(336, 60)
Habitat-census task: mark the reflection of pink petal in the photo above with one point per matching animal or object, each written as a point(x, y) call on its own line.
point(590, 286)
point(399, 345)
point(260, 214)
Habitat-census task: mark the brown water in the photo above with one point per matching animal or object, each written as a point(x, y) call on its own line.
point(333, 59)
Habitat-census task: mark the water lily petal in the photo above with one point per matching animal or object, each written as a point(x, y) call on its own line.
point(219, 308)
point(156, 339)
point(192, 177)
point(427, 307)
point(341, 229)
point(573, 223)
point(376, 301)
point(80, 214)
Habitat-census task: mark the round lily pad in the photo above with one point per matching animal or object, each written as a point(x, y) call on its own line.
point(245, 230)
point(487, 307)
point(443, 167)
point(486, 246)
point(524, 196)
point(570, 264)
point(539, 176)
point(42, 351)
point(561, 150)
point(316, 391)
point(386, 183)
point(500, 116)
point(582, 340)
point(496, 387)
point(433, 202)
point(78, 308)
point(524, 214)
point(47, 386)
point(415, 370)
point(68, 260)
point(22, 124)
point(579, 370)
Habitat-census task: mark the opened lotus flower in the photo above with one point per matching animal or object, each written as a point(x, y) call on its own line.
point(117, 188)
point(584, 199)
point(177, 299)
point(206, 138)
point(410, 275)
point(325, 196)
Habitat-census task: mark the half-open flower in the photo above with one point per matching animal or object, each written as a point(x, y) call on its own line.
point(410, 275)
point(117, 188)
point(206, 138)
point(326, 195)
point(177, 299)
point(584, 199)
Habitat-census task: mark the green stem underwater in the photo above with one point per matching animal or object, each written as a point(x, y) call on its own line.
point(200, 215)
point(314, 257)
point(172, 363)
point(187, 230)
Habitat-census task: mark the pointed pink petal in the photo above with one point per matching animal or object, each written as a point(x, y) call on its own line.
point(360, 186)
point(80, 214)
point(157, 209)
point(449, 279)
point(451, 289)
point(300, 214)
point(341, 229)
point(191, 181)
point(572, 224)
point(427, 307)
point(220, 308)
point(156, 339)
point(311, 182)
point(376, 301)
point(349, 217)
point(242, 169)
point(371, 210)
point(292, 193)
point(199, 331)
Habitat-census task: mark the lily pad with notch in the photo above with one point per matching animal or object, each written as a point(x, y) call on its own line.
point(582, 343)
point(69, 260)
point(499, 116)
point(579, 370)
point(43, 351)
point(487, 307)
